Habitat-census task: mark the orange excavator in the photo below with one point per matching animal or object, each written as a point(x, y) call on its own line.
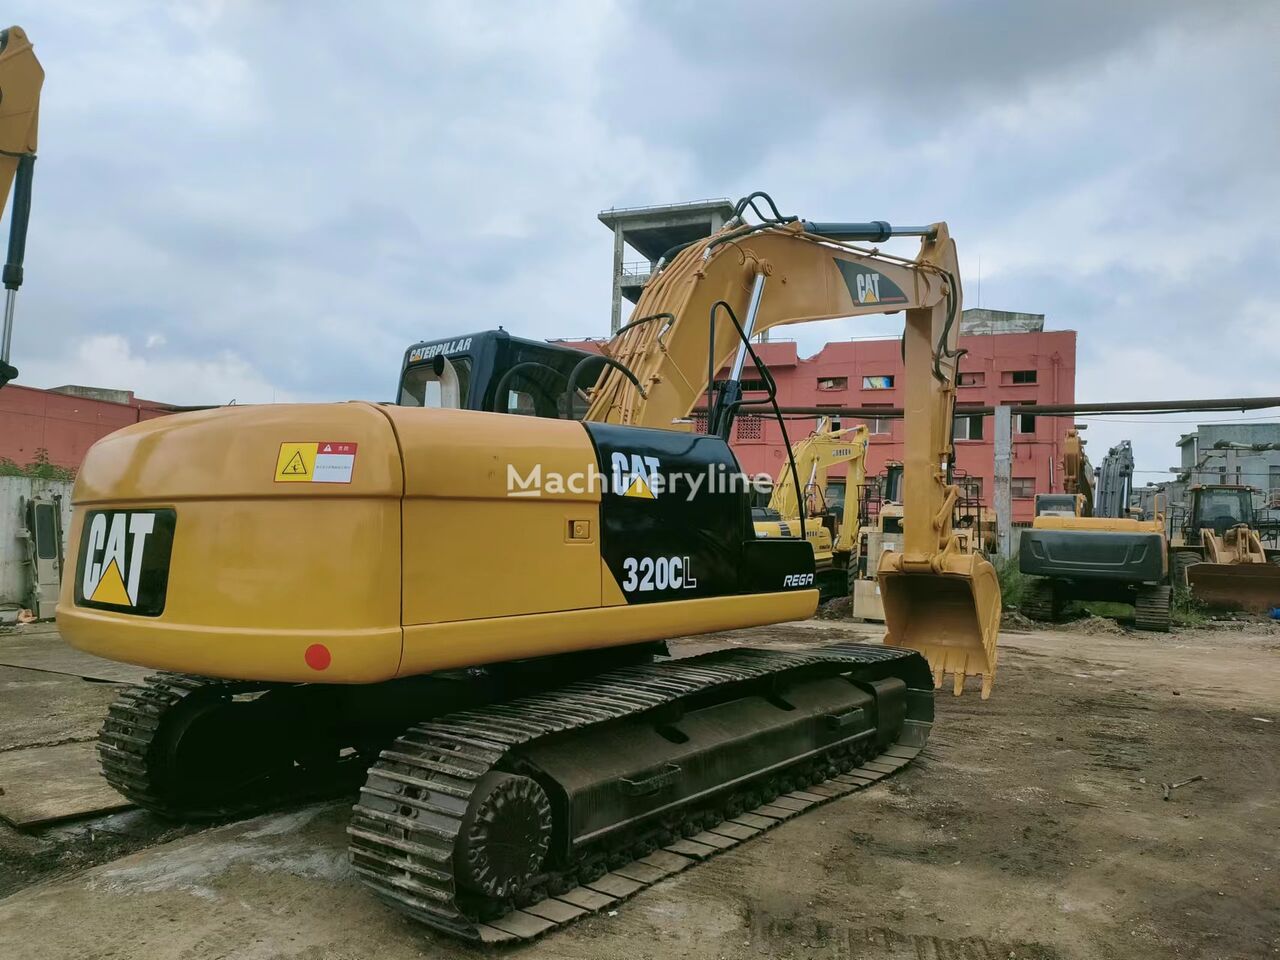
point(465, 610)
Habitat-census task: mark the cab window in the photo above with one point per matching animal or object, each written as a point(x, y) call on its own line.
point(443, 383)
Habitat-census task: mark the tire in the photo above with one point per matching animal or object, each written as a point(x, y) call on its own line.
point(1181, 561)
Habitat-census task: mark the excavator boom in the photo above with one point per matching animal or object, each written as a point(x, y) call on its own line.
point(20, 80)
point(697, 314)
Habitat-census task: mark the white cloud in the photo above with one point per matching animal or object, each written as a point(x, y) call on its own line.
point(107, 360)
point(241, 200)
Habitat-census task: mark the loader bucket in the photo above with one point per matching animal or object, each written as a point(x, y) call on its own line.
point(952, 617)
point(1254, 587)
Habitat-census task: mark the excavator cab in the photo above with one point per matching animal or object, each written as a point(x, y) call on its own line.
point(1221, 508)
point(494, 371)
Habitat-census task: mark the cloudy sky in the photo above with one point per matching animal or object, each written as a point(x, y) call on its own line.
point(270, 200)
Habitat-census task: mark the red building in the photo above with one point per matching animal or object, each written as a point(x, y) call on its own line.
point(999, 368)
point(65, 421)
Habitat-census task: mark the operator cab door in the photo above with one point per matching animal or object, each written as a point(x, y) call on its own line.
point(43, 534)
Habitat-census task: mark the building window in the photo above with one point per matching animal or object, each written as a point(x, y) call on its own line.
point(1022, 488)
point(970, 487)
point(877, 383)
point(748, 428)
point(878, 425)
point(747, 385)
point(1024, 422)
point(1020, 376)
point(972, 379)
point(833, 383)
point(833, 417)
point(968, 426)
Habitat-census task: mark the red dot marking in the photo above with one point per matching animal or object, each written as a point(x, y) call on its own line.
point(318, 657)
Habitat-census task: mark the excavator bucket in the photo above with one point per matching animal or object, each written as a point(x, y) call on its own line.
point(1254, 587)
point(952, 617)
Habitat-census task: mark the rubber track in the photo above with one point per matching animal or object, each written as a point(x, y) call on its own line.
point(1038, 601)
point(1151, 608)
point(127, 737)
point(133, 760)
point(406, 856)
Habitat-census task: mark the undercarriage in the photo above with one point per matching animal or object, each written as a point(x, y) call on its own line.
point(519, 801)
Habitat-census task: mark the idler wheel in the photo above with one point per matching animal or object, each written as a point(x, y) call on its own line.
point(505, 835)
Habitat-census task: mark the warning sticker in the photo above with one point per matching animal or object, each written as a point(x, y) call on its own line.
point(326, 461)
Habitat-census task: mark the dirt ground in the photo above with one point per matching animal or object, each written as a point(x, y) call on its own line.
point(1034, 826)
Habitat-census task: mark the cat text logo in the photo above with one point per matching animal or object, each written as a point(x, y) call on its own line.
point(114, 554)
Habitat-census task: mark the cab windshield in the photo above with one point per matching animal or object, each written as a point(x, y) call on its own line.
point(1223, 508)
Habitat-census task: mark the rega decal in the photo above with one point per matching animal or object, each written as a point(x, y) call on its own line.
point(124, 560)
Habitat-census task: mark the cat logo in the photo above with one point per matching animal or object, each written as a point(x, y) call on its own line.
point(636, 476)
point(867, 286)
point(124, 560)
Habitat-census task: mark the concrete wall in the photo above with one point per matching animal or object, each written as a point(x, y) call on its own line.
point(15, 577)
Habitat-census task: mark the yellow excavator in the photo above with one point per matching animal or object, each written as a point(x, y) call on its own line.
point(320, 586)
point(1085, 544)
point(833, 533)
point(20, 80)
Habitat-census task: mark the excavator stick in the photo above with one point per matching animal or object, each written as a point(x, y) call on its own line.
point(1251, 587)
point(952, 617)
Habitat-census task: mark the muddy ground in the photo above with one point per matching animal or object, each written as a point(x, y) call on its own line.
point(1034, 826)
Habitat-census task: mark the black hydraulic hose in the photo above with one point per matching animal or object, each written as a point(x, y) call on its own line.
point(771, 386)
point(667, 256)
point(750, 199)
point(653, 316)
point(577, 369)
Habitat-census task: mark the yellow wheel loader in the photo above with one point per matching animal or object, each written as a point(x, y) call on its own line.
point(1218, 554)
point(832, 533)
point(316, 583)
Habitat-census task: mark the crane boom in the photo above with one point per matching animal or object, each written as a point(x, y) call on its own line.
point(20, 80)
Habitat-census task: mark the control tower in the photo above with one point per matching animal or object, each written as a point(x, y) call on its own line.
point(651, 232)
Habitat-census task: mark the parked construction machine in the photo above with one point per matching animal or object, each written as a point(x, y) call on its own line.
point(1217, 553)
point(1108, 556)
point(20, 80)
point(831, 531)
point(880, 530)
point(471, 600)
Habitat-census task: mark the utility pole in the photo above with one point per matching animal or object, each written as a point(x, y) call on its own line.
point(1004, 478)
